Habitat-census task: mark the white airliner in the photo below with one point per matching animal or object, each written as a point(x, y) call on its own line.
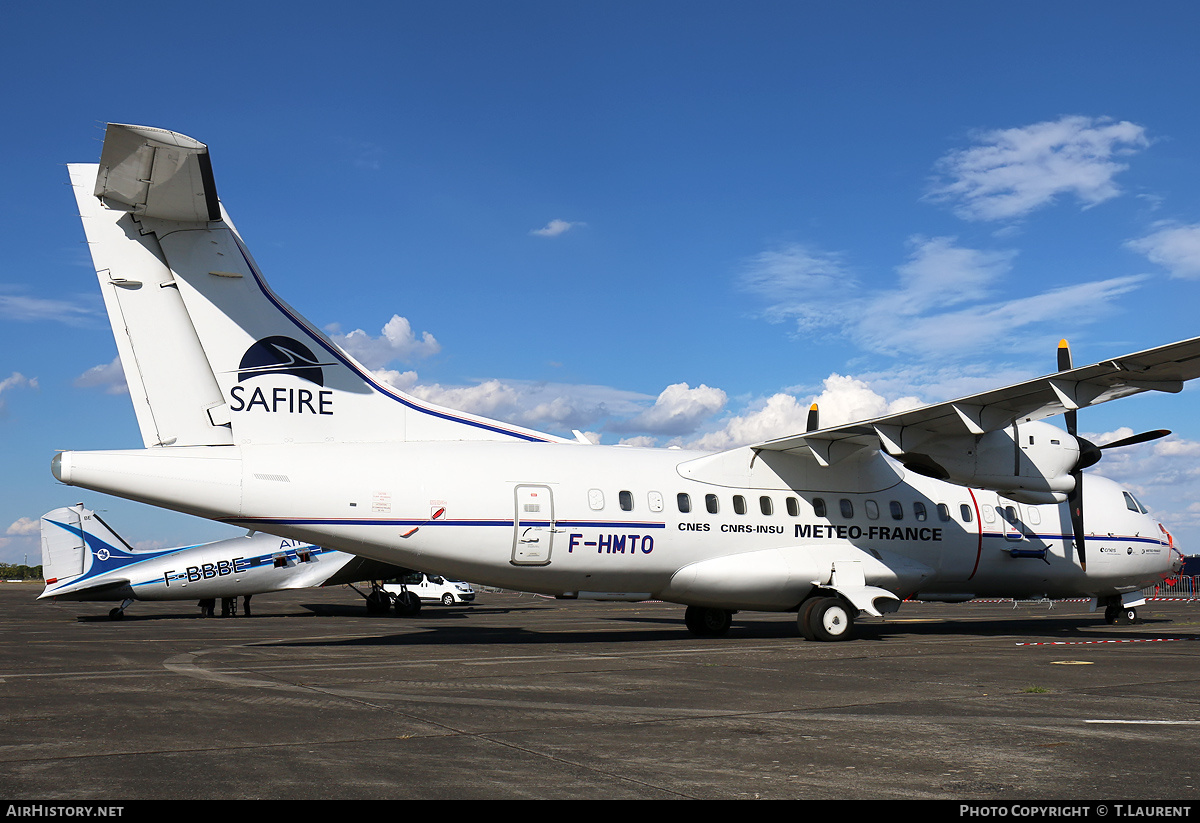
point(251, 416)
point(84, 559)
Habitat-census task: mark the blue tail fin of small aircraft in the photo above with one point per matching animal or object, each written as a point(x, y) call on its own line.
point(77, 544)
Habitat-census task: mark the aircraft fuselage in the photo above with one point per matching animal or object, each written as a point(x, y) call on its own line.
point(735, 530)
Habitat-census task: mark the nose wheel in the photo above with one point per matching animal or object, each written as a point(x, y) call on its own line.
point(1120, 615)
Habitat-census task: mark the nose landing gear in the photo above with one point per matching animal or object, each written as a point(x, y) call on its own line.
point(1120, 615)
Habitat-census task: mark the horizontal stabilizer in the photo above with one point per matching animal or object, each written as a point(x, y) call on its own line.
point(108, 590)
point(157, 173)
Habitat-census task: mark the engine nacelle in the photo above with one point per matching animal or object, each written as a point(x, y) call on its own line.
point(1030, 462)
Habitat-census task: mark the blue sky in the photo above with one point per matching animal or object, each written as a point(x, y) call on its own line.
point(655, 222)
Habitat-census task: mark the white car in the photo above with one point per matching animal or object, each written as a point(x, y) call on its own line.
point(432, 588)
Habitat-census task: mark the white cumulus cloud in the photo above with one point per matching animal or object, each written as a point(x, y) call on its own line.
point(678, 410)
point(24, 526)
point(16, 381)
point(843, 399)
point(397, 341)
point(108, 376)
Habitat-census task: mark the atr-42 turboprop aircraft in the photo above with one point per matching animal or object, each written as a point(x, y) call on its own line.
point(84, 559)
point(251, 416)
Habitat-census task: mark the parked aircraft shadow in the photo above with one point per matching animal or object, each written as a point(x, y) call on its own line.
point(350, 610)
point(423, 632)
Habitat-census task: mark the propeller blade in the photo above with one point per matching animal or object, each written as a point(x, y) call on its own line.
point(814, 418)
point(1137, 438)
point(1064, 355)
point(1064, 363)
point(1087, 456)
point(1075, 501)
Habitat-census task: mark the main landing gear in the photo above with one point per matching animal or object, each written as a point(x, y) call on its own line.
point(824, 618)
point(706, 622)
point(379, 601)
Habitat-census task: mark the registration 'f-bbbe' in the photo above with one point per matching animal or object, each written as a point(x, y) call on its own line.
point(251, 416)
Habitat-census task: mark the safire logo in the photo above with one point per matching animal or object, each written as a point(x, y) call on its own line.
point(275, 356)
point(281, 355)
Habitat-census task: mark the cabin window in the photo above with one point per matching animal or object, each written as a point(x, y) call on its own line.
point(626, 501)
point(655, 501)
point(965, 511)
point(989, 516)
point(595, 499)
point(847, 507)
point(710, 503)
point(943, 512)
point(819, 506)
point(793, 507)
point(684, 501)
point(739, 504)
point(280, 561)
point(897, 510)
point(765, 505)
point(872, 509)
point(919, 511)
point(1033, 515)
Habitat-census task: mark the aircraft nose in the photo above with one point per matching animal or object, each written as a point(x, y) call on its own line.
point(1176, 554)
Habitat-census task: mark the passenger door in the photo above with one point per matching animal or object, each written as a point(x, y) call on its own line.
point(533, 532)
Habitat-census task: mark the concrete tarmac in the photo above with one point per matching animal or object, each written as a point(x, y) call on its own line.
point(524, 697)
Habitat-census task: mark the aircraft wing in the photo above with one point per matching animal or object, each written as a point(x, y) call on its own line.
point(1164, 368)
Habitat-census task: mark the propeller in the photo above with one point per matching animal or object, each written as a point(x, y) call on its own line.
point(814, 418)
point(1089, 455)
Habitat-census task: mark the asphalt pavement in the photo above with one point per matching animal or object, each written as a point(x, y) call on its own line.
point(521, 697)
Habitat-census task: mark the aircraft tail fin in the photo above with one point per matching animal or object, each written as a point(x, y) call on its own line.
point(75, 542)
point(213, 356)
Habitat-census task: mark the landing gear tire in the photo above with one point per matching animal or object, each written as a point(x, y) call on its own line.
point(804, 617)
point(703, 621)
point(826, 619)
point(378, 602)
point(116, 614)
point(447, 599)
point(1120, 615)
point(407, 604)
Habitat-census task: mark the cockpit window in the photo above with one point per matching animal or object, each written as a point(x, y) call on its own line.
point(1133, 504)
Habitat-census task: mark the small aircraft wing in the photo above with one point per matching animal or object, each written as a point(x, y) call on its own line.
point(1164, 368)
